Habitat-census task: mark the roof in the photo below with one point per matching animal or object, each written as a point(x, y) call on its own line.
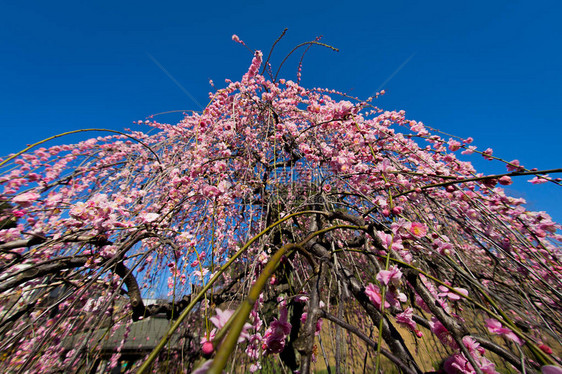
point(144, 335)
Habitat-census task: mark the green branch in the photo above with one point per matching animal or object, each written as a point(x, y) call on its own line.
point(152, 357)
point(240, 318)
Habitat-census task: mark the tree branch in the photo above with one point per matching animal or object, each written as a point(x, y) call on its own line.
point(366, 339)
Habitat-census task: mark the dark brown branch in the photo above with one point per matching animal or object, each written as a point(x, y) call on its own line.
point(477, 179)
point(43, 269)
point(449, 322)
point(265, 65)
point(38, 239)
point(503, 353)
point(133, 290)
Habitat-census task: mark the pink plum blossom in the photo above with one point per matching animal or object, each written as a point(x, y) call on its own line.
point(150, 217)
point(389, 241)
point(487, 154)
point(319, 323)
point(458, 363)
point(392, 275)
point(26, 199)
point(445, 292)
point(276, 334)
point(495, 326)
point(454, 145)
point(220, 320)
point(442, 333)
point(505, 180)
point(207, 348)
point(405, 318)
point(374, 294)
point(418, 230)
point(539, 179)
point(221, 317)
point(237, 39)
point(395, 297)
point(18, 213)
point(469, 150)
point(514, 166)
point(201, 274)
point(545, 348)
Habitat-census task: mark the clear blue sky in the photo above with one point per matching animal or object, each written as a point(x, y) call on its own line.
point(491, 70)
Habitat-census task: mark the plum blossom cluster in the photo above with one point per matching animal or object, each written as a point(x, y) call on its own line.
point(276, 334)
point(320, 203)
point(459, 363)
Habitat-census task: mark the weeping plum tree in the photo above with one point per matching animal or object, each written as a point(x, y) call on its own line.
point(286, 229)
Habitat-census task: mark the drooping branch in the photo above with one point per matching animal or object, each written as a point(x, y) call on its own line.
point(40, 239)
point(389, 333)
point(366, 339)
point(43, 269)
point(449, 322)
point(477, 179)
point(238, 320)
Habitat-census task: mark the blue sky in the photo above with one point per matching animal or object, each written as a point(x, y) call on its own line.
point(491, 70)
